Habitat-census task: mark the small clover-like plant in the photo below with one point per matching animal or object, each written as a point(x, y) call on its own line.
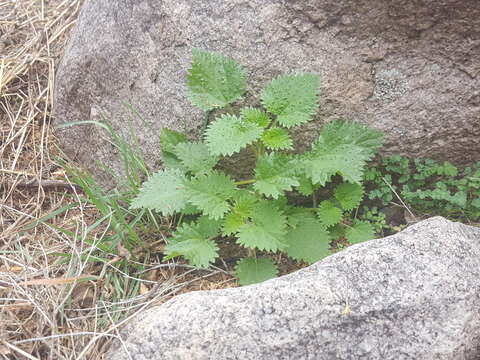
point(256, 211)
point(427, 186)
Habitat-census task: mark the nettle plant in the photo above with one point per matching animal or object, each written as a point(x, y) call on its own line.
point(256, 211)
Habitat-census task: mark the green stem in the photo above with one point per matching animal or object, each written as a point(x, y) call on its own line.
point(245, 182)
point(314, 199)
point(260, 149)
point(205, 121)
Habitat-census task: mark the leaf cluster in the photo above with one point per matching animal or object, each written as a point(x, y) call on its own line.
point(256, 212)
point(427, 186)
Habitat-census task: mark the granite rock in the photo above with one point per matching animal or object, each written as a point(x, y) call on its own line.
point(412, 295)
point(408, 68)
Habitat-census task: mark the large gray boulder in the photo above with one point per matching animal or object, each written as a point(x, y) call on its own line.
point(413, 295)
point(409, 68)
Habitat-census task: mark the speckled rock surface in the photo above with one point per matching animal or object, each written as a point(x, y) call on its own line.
point(414, 295)
point(409, 68)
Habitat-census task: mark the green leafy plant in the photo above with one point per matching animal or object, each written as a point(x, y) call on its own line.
point(427, 186)
point(258, 212)
point(376, 218)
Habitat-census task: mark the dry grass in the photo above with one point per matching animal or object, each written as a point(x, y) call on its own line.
point(49, 308)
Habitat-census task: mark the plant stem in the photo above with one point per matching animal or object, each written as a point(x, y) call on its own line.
point(205, 121)
point(314, 199)
point(245, 182)
point(260, 149)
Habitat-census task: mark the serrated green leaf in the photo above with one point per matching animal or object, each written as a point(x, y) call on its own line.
point(293, 98)
point(170, 161)
point(189, 242)
point(349, 195)
point(336, 231)
point(242, 195)
point(208, 227)
point(281, 203)
point(255, 116)
point(308, 241)
point(277, 139)
point(255, 270)
point(214, 80)
point(232, 223)
point(199, 252)
point(190, 209)
point(242, 209)
point(340, 131)
point(296, 215)
point(210, 193)
point(329, 214)
point(306, 187)
point(324, 162)
point(169, 139)
point(359, 232)
point(266, 230)
point(343, 147)
point(163, 192)
point(274, 175)
point(195, 157)
point(228, 134)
